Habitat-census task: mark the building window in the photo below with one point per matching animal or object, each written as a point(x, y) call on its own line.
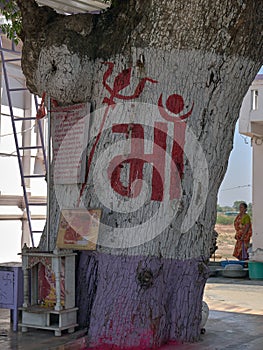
point(254, 100)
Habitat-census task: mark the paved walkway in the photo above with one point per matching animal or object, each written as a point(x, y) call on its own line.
point(235, 322)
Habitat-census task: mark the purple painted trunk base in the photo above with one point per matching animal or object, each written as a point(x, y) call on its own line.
point(139, 302)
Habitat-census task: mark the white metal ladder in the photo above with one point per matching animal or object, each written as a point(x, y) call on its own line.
point(13, 56)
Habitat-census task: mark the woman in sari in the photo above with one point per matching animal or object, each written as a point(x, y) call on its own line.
point(243, 229)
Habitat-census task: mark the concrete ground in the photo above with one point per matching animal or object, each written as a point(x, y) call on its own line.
point(235, 322)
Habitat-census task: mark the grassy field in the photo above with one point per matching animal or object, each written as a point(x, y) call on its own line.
point(225, 242)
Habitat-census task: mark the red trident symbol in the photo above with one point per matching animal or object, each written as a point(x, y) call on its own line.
point(175, 105)
point(121, 81)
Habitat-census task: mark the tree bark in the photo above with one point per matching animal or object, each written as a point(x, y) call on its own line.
point(167, 78)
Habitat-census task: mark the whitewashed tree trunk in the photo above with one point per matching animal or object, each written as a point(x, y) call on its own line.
point(143, 285)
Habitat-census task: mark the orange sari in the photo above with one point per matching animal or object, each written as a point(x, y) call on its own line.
point(242, 245)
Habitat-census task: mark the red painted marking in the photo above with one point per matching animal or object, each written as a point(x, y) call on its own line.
point(105, 346)
point(177, 162)
point(175, 105)
point(145, 343)
point(121, 81)
point(136, 160)
point(136, 163)
point(158, 161)
point(91, 155)
point(41, 112)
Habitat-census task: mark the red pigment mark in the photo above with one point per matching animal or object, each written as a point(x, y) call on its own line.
point(174, 342)
point(103, 346)
point(145, 343)
point(121, 81)
point(115, 347)
point(41, 112)
point(142, 346)
point(175, 105)
point(136, 160)
point(137, 157)
point(121, 329)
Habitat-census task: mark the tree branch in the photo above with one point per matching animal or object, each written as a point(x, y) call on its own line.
point(34, 17)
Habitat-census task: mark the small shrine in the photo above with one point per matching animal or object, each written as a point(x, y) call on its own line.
point(49, 290)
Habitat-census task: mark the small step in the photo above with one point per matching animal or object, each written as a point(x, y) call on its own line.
point(24, 118)
point(30, 147)
point(18, 89)
point(12, 60)
point(36, 204)
point(37, 231)
point(33, 176)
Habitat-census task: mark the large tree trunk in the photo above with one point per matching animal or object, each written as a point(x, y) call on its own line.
point(165, 80)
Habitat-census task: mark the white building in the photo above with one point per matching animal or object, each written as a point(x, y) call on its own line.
point(251, 124)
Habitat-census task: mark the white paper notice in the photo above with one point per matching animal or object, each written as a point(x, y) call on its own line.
point(69, 139)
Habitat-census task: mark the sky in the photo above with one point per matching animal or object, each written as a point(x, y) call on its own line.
point(238, 178)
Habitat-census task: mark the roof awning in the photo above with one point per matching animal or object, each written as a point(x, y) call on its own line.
point(75, 6)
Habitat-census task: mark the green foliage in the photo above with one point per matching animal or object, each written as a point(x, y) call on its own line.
point(227, 208)
point(234, 208)
point(112, 3)
point(226, 215)
point(237, 204)
point(225, 220)
point(14, 20)
point(249, 207)
point(219, 209)
point(11, 12)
